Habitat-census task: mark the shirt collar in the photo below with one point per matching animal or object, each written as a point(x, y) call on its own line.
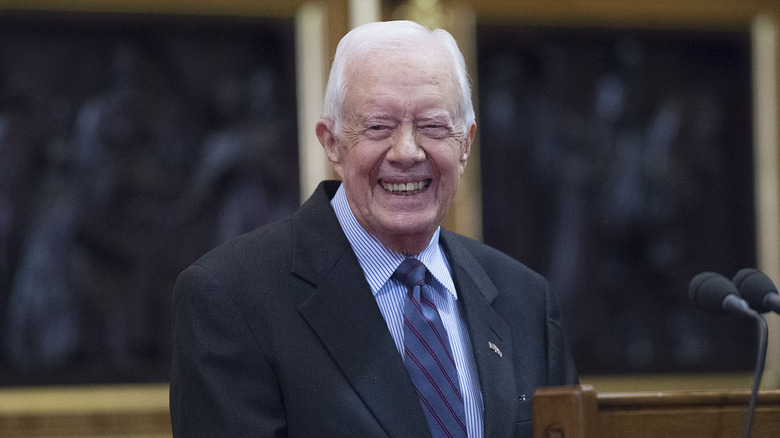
point(379, 262)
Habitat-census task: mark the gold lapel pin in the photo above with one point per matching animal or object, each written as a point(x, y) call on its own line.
point(495, 349)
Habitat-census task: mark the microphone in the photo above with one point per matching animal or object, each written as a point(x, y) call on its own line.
point(758, 290)
point(715, 293)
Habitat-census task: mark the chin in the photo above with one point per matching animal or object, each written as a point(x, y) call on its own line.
point(411, 224)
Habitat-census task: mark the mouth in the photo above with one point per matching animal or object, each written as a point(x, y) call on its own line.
point(405, 189)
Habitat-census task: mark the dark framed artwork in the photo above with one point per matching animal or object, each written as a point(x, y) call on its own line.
point(619, 164)
point(129, 146)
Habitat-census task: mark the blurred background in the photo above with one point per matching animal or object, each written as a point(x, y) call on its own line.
point(623, 147)
point(129, 146)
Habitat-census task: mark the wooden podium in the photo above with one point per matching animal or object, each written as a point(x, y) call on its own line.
point(581, 412)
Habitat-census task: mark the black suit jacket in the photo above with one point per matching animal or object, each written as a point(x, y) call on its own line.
point(276, 333)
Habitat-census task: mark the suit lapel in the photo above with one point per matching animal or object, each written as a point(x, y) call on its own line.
point(344, 315)
point(490, 339)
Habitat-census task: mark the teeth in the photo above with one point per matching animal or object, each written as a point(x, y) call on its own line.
point(405, 189)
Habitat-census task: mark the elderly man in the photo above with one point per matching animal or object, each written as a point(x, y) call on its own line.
point(359, 316)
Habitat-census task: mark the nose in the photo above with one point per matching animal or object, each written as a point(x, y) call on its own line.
point(405, 148)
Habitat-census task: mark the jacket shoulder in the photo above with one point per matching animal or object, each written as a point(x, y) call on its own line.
point(497, 264)
point(264, 244)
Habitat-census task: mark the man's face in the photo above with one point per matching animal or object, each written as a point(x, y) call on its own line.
point(401, 151)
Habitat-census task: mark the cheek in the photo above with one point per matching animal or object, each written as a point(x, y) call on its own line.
point(451, 161)
point(362, 161)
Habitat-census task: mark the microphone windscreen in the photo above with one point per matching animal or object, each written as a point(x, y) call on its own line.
point(708, 290)
point(754, 286)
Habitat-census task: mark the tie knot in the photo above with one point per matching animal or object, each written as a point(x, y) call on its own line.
point(411, 273)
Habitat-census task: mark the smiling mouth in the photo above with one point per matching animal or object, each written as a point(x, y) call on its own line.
point(405, 189)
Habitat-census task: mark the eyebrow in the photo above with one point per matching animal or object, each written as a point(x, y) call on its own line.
point(379, 116)
point(445, 117)
point(426, 115)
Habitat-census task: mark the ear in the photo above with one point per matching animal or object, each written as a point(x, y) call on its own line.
point(329, 142)
point(467, 145)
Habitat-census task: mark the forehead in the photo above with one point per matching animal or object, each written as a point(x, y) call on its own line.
point(423, 58)
point(423, 73)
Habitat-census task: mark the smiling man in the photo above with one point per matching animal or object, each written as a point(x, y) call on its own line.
point(402, 144)
point(360, 316)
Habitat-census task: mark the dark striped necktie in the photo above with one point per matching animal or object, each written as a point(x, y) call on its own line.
point(427, 355)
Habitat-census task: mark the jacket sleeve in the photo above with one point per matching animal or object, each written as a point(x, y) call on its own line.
point(221, 384)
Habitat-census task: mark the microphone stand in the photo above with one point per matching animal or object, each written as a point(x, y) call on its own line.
point(762, 346)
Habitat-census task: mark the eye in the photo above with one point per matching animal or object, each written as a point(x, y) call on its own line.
point(378, 131)
point(435, 130)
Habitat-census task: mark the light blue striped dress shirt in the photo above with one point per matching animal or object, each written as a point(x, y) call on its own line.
point(379, 263)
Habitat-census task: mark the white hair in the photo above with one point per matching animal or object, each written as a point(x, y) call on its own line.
point(389, 37)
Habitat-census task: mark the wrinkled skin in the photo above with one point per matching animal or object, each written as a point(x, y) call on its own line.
point(400, 125)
